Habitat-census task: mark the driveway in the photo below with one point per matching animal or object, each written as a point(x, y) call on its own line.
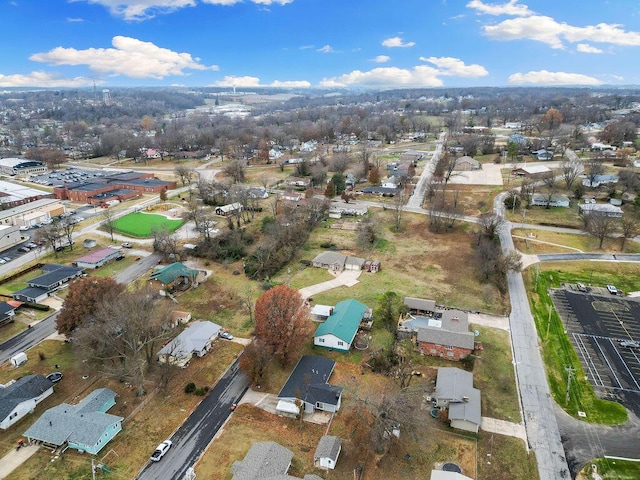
point(347, 278)
point(15, 458)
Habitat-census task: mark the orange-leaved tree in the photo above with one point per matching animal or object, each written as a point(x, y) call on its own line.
point(282, 322)
point(85, 294)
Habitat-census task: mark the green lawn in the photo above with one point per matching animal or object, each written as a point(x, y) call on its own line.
point(557, 350)
point(613, 468)
point(141, 224)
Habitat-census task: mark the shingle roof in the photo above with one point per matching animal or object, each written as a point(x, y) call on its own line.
point(344, 321)
point(414, 303)
point(30, 292)
point(468, 409)
point(446, 337)
point(99, 255)
point(330, 258)
point(5, 308)
point(100, 400)
point(25, 388)
point(453, 384)
point(74, 423)
point(264, 460)
point(192, 339)
point(309, 380)
point(55, 276)
point(176, 270)
point(328, 447)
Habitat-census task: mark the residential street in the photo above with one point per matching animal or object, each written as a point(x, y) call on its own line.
point(28, 338)
point(415, 201)
point(194, 436)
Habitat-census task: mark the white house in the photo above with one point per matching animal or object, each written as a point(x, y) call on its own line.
point(390, 182)
point(605, 209)
point(21, 398)
point(541, 200)
point(195, 339)
point(229, 209)
point(327, 453)
point(341, 326)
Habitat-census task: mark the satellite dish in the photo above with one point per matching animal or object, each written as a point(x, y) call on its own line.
point(476, 333)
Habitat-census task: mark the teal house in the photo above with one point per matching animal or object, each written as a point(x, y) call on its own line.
point(85, 427)
point(340, 328)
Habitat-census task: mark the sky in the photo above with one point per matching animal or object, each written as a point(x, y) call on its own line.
point(319, 43)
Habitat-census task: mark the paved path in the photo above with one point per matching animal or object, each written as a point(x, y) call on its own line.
point(15, 458)
point(415, 200)
point(347, 278)
point(502, 427)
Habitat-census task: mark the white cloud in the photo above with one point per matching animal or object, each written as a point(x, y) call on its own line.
point(291, 84)
point(129, 57)
point(381, 59)
point(586, 48)
point(455, 67)
point(396, 42)
point(254, 82)
point(75, 20)
point(543, 77)
point(144, 9)
point(325, 49)
point(547, 30)
point(510, 8)
point(420, 76)
point(42, 79)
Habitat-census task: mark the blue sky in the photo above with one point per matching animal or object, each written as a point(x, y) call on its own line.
point(319, 43)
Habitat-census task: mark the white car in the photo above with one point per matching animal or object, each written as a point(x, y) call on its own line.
point(612, 289)
point(225, 335)
point(161, 450)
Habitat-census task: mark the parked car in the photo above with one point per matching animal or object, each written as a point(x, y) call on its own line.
point(127, 245)
point(24, 249)
point(23, 228)
point(225, 335)
point(54, 377)
point(612, 289)
point(161, 450)
point(2, 261)
point(581, 287)
point(629, 344)
point(31, 245)
point(7, 259)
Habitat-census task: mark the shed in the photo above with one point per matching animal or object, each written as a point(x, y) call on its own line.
point(18, 359)
point(327, 452)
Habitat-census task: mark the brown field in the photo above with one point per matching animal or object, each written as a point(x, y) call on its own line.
point(415, 262)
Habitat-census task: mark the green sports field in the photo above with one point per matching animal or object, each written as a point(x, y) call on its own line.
point(140, 224)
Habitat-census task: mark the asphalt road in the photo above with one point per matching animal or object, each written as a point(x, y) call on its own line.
point(135, 271)
point(28, 338)
point(415, 200)
point(196, 433)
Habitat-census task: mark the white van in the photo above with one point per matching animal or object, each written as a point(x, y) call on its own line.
point(18, 359)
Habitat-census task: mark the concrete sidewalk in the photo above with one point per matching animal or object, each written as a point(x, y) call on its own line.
point(15, 458)
point(347, 278)
point(502, 427)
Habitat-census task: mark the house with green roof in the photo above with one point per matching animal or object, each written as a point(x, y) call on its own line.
point(177, 275)
point(340, 328)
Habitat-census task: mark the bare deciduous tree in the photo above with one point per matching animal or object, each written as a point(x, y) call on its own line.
point(124, 336)
point(600, 226)
point(570, 171)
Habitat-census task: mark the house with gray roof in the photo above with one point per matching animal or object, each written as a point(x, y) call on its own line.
point(438, 332)
point(466, 163)
point(85, 427)
point(195, 339)
point(454, 391)
point(309, 383)
point(266, 461)
point(327, 452)
point(337, 261)
point(42, 286)
point(21, 397)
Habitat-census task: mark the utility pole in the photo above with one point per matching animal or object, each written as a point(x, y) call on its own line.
point(570, 373)
point(93, 470)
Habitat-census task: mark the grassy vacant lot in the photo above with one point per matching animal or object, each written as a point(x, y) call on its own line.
point(140, 225)
point(539, 243)
point(148, 420)
point(609, 468)
point(473, 200)
point(494, 376)
point(554, 216)
point(557, 350)
point(415, 262)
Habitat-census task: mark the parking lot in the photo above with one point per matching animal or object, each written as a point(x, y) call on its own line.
point(70, 175)
point(596, 323)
